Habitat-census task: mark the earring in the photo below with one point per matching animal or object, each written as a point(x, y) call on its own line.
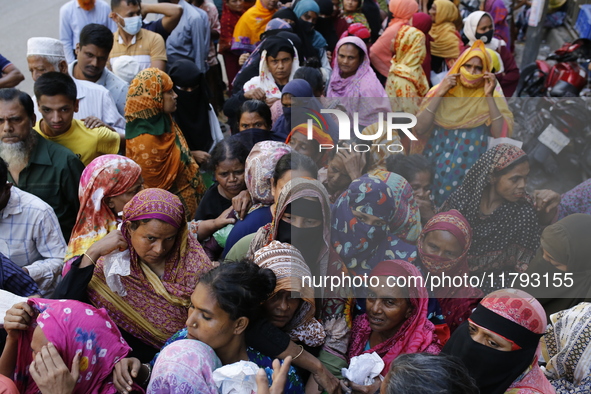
point(194, 325)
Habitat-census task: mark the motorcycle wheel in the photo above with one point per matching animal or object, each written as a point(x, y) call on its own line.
point(531, 82)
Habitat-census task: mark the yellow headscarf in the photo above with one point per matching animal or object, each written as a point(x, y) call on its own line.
point(446, 42)
point(468, 108)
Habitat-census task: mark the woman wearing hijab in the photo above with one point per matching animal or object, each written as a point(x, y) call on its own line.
point(479, 26)
point(250, 26)
point(149, 305)
point(564, 253)
point(355, 83)
point(565, 347)
point(443, 249)
point(192, 108)
point(381, 51)
point(447, 43)
point(457, 117)
point(423, 22)
point(502, 215)
point(292, 315)
point(106, 185)
point(500, 344)
point(407, 82)
point(298, 140)
point(307, 11)
point(375, 219)
point(499, 13)
point(79, 333)
point(351, 12)
point(395, 321)
point(232, 10)
point(155, 141)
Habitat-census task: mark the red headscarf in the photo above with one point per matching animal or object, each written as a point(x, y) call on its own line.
point(417, 333)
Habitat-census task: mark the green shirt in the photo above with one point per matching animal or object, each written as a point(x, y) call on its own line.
point(53, 174)
point(240, 248)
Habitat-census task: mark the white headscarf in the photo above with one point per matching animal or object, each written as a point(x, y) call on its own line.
point(470, 25)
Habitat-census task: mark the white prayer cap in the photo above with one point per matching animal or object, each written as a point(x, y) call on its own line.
point(125, 67)
point(45, 46)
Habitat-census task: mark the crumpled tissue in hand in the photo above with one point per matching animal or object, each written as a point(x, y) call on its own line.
point(116, 265)
point(364, 368)
point(236, 378)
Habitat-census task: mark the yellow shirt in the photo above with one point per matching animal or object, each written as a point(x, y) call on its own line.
point(87, 144)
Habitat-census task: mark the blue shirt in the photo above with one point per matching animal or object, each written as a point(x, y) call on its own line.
point(15, 280)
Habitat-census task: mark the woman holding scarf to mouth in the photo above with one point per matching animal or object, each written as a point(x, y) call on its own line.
point(453, 132)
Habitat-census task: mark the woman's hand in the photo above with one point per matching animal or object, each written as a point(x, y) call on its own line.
point(354, 163)
point(223, 220)
point(371, 389)
point(125, 371)
point(425, 206)
point(242, 203)
point(111, 242)
point(243, 58)
point(450, 81)
point(546, 203)
point(200, 156)
point(255, 94)
point(490, 82)
point(51, 373)
point(18, 318)
point(279, 378)
point(270, 101)
point(327, 381)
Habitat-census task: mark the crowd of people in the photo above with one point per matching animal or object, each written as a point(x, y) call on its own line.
point(155, 252)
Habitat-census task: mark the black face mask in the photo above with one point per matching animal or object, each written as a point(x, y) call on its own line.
point(307, 240)
point(485, 37)
point(493, 370)
point(307, 27)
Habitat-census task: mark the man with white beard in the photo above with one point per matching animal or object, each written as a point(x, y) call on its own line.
point(36, 165)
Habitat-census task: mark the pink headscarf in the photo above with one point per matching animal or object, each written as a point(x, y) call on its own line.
point(357, 90)
point(381, 50)
point(74, 327)
point(417, 333)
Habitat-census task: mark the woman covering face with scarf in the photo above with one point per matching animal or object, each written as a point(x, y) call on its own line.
point(457, 117)
point(499, 344)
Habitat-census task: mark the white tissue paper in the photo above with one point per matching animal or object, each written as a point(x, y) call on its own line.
point(236, 378)
point(116, 265)
point(364, 368)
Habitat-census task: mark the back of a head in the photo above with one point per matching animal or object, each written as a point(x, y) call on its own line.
point(240, 287)
point(294, 161)
point(55, 83)
point(311, 75)
point(428, 374)
point(98, 35)
point(12, 94)
point(227, 149)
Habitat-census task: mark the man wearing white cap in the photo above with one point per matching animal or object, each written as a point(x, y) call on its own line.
point(96, 106)
point(76, 14)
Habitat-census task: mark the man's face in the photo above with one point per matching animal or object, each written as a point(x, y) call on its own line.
point(92, 60)
point(58, 112)
point(15, 125)
point(38, 66)
point(125, 10)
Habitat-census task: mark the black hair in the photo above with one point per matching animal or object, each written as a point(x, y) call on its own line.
point(11, 94)
point(409, 166)
point(227, 149)
point(3, 172)
point(95, 34)
point(55, 83)
point(294, 161)
point(428, 374)
point(240, 287)
point(511, 166)
point(275, 44)
point(359, 51)
point(258, 106)
point(311, 75)
point(116, 3)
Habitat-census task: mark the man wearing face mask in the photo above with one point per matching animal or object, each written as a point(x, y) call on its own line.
point(145, 47)
point(76, 14)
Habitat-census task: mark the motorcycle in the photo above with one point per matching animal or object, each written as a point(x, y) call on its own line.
point(556, 134)
point(566, 76)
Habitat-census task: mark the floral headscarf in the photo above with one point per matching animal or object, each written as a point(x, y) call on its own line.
point(389, 197)
point(289, 267)
point(259, 168)
point(74, 327)
point(106, 176)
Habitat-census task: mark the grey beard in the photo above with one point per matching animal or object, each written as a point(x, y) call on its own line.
point(17, 155)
